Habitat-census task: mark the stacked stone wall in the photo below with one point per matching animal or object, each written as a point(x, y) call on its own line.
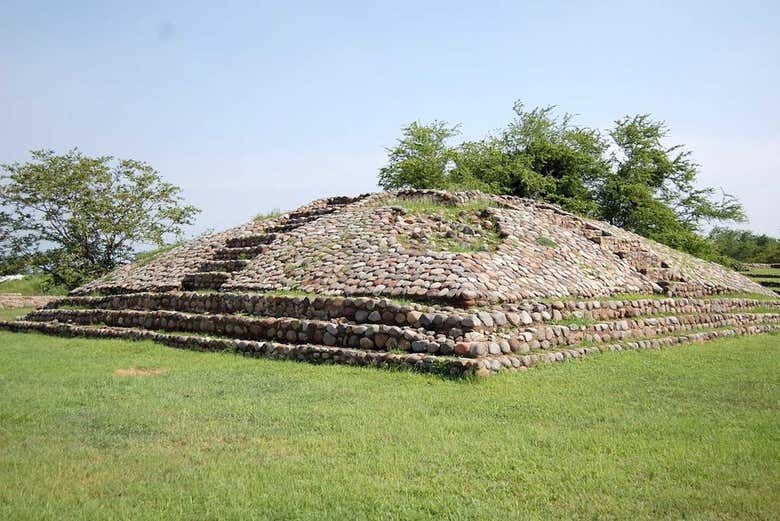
point(455, 367)
point(367, 246)
point(385, 311)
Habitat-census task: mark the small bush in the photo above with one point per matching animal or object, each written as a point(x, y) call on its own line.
point(271, 214)
point(546, 242)
point(146, 257)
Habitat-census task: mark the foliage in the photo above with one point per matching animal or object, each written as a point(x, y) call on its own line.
point(546, 242)
point(745, 246)
point(421, 159)
point(614, 436)
point(651, 191)
point(630, 178)
point(430, 205)
point(539, 155)
point(271, 214)
point(32, 284)
point(144, 257)
point(76, 217)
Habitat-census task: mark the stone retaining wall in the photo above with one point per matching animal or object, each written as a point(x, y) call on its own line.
point(290, 330)
point(550, 337)
point(456, 367)
point(358, 309)
point(384, 311)
point(383, 337)
point(372, 246)
point(758, 266)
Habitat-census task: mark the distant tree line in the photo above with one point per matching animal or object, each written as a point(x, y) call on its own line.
point(745, 246)
point(626, 176)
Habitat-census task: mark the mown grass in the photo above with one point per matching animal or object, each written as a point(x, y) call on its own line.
point(10, 314)
point(32, 285)
point(770, 280)
point(688, 432)
point(772, 272)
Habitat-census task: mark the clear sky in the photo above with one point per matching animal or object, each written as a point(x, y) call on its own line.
point(253, 105)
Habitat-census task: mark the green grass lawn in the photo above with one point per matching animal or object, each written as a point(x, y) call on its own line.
point(763, 272)
point(31, 285)
point(686, 432)
point(10, 314)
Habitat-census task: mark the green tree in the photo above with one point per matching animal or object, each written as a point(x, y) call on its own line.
point(539, 155)
point(421, 158)
point(628, 178)
point(745, 246)
point(76, 217)
point(13, 260)
point(651, 188)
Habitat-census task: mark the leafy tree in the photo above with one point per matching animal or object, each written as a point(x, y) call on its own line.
point(628, 178)
point(651, 188)
point(562, 162)
point(12, 258)
point(421, 159)
point(745, 246)
point(538, 155)
point(76, 217)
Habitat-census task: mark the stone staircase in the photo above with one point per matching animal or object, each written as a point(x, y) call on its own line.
point(238, 251)
point(372, 331)
point(642, 260)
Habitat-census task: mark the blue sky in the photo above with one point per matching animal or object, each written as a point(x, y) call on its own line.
point(250, 106)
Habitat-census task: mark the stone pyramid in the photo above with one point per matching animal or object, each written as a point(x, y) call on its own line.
point(452, 282)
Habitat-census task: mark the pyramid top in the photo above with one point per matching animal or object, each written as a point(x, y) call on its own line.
point(454, 248)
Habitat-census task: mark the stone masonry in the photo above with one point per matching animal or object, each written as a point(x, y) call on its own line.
point(456, 283)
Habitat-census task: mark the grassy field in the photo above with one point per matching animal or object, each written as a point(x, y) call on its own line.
point(31, 285)
point(772, 272)
point(10, 314)
point(113, 429)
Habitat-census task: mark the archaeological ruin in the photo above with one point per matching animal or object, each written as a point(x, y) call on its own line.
point(458, 283)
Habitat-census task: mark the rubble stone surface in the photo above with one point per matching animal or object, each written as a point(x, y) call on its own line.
point(455, 283)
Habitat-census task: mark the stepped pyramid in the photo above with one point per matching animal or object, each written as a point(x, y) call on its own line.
point(452, 282)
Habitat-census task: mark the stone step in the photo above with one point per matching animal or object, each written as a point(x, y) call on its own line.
point(245, 241)
point(382, 337)
point(495, 363)
point(284, 228)
point(679, 289)
point(770, 283)
point(315, 213)
point(290, 330)
point(447, 365)
point(204, 280)
point(227, 266)
point(552, 336)
point(640, 259)
point(616, 243)
point(239, 253)
point(361, 310)
point(371, 310)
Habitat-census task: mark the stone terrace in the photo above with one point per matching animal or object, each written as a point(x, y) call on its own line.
point(457, 283)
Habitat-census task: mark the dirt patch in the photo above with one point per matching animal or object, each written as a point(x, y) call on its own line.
point(140, 371)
